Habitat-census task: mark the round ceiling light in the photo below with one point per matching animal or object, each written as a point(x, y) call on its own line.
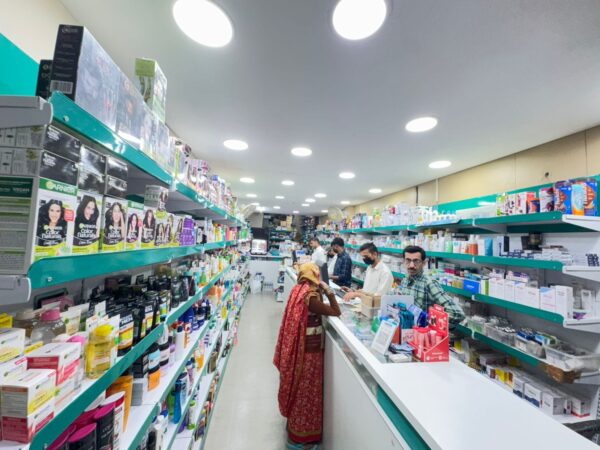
point(309, 200)
point(279, 197)
point(375, 191)
point(346, 175)
point(439, 164)
point(301, 151)
point(247, 180)
point(287, 182)
point(358, 19)
point(203, 22)
point(320, 195)
point(421, 124)
point(251, 195)
point(255, 204)
point(235, 144)
point(345, 202)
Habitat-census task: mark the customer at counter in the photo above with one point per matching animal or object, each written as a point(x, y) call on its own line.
point(378, 276)
point(318, 255)
point(299, 357)
point(342, 272)
point(331, 260)
point(425, 290)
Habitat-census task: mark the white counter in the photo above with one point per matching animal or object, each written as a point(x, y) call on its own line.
point(452, 407)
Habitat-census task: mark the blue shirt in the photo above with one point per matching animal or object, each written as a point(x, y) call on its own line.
point(343, 270)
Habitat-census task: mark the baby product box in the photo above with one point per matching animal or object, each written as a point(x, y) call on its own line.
point(135, 216)
point(113, 229)
point(86, 235)
point(63, 358)
point(148, 227)
point(22, 429)
point(84, 72)
point(152, 84)
point(130, 112)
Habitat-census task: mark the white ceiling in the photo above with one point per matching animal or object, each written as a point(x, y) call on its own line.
point(501, 76)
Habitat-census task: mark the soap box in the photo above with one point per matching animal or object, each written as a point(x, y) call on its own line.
point(83, 71)
point(26, 393)
point(135, 215)
point(22, 429)
point(12, 343)
point(113, 225)
point(148, 227)
point(63, 358)
point(152, 84)
point(86, 234)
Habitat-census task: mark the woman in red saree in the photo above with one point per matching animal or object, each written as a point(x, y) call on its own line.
point(299, 358)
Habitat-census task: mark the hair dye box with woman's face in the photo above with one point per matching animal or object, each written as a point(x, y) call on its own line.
point(135, 216)
point(162, 238)
point(148, 227)
point(86, 234)
point(114, 228)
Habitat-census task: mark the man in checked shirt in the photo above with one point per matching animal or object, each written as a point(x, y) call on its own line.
point(425, 290)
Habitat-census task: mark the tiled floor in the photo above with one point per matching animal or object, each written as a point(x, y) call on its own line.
point(246, 415)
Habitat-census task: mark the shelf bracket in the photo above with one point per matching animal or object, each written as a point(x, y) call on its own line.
point(14, 289)
point(589, 222)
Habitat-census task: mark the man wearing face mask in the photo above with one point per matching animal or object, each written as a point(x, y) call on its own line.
point(378, 277)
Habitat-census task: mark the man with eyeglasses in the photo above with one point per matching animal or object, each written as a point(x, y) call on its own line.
point(425, 290)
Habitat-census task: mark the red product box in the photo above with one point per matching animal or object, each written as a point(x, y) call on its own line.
point(431, 343)
point(22, 429)
point(64, 358)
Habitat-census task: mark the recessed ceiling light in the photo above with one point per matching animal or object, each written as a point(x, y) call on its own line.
point(309, 200)
point(421, 124)
point(255, 204)
point(347, 175)
point(345, 202)
point(295, 212)
point(203, 21)
point(235, 144)
point(287, 182)
point(251, 195)
point(279, 197)
point(358, 19)
point(439, 164)
point(320, 195)
point(324, 211)
point(247, 180)
point(375, 191)
point(301, 151)
point(261, 208)
point(276, 207)
point(305, 204)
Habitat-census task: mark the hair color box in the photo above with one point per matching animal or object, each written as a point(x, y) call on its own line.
point(91, 182)
point(83, 71)
point(147, 132)
point(148, 227)
point(116, 168)
point(115, 187)
point(113, 225)
point(92, 161)
point(62, 143)
point(178, 222)
point(135, 216)
point(156, 197)
point(57, 168)
point(86, 234)
point(162, 225)
point(55, 217)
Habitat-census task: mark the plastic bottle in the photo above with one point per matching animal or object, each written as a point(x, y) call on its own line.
point(177, 402)
point(25, 319)
point(179, 343)
point(50, 326)
point(99, 351)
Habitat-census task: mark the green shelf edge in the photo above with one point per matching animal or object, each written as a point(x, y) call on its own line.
point(519, 262)
point(358, 280)
point(535, 312)
point(149, 420)
point(447, 255)
point(456, 291)
point(63, 419)
point(398, 275)
point(18, 75)
point(359, 264)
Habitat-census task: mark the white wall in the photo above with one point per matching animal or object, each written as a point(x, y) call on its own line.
point(32, 24)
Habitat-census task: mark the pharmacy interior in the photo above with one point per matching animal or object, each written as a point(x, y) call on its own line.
point(151, 186)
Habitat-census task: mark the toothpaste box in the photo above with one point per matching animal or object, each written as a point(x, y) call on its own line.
point(61, 357)
point(22, 429)
point(26, 393)
point(12, 343)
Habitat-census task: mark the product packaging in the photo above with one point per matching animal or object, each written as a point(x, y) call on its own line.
point(105, 426)
point(42, 88)
point(546, 199)
point(12, 343)
point(63, 358)
point(578, 198)
point(24, 394)
point(152, 84)
point(148, 228)
point(147, 132)
point(135, 215)
point(562, 197)
point(66, 392)
point(114, 228)
point(188, 236)
point(431, 343)
point(123, 385)
point(116, 168)
point(156, 197)
point(162, 151)
point(86, 234)
point(84, 72)
point(591, 196)
point(183, 154)
point(130, 112)
point(118, 400)
point(178, 221)
point(22, 429)
point(115, 187)
point(92, 169)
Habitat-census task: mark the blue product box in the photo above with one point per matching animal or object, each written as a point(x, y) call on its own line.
point(471, 286)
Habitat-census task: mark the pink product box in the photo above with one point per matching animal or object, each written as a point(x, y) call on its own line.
point(64, 358)
point(22, 429)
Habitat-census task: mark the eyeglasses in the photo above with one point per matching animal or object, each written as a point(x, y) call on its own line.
point(416, 262)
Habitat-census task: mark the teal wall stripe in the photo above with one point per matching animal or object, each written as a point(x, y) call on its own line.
point(18, 72)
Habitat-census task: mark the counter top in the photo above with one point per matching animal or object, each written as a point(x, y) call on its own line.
point(452, 407)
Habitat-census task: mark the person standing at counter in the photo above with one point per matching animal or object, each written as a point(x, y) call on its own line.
point(425, 290)
point(331, 260)
point(299, 357)
point(318, 255)
point(378, 277)
point(342, 272)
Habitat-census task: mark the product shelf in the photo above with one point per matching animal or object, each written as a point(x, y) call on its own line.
point(519, 262)
point(398, 274)
point(359, 264)
point(358, 280)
